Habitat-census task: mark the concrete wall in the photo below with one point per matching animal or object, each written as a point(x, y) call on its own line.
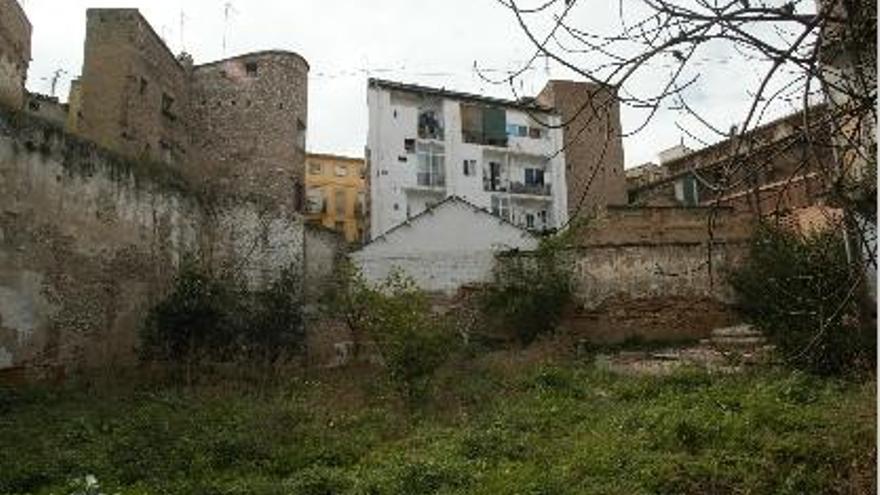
point(249, 118)
point(89, 241)
point(394, 191)
point(15, 53)
point(444, 249)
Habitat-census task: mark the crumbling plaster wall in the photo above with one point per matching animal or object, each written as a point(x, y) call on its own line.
point(15, 53)
point(89, 241)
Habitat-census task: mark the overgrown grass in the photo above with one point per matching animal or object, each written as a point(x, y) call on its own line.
point(543, 429)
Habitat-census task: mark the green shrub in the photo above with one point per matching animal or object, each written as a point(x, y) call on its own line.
point(802, 293)
point(217, 318)
point(397, 317)
point(529, 291)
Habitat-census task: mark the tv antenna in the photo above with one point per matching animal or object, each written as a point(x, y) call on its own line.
point(228, 11)
point(53, 81)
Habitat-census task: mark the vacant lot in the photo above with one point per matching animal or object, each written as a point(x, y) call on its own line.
point(495, 425)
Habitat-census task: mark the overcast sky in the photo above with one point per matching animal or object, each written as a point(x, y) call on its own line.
point(345, 41)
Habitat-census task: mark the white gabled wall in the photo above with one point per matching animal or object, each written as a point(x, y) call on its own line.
point(394, 118)
point(443, 249)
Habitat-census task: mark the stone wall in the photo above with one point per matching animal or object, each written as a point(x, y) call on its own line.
point(593, 144)
point(620, 225)
point(89, 241)
point(134, 95)
point(249, 122)
point(15, 53)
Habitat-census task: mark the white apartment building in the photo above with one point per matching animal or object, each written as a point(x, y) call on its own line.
point(427, 144)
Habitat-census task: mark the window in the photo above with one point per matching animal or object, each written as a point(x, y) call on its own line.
point(530, 220)
point(542, 216)
point(470, 168)
point(536, 132)
point(315, 168)
point(484, 125)
point(314, 200)
point(168, 106)
point(430, 123)
point(340, 203)
point(341, 170)
point(501, 207)
point(431, 168)
point(492, 182)
point(251, 69)
point(409, 145)
point(516, 130)
point(534, 177)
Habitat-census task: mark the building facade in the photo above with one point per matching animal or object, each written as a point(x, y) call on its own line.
point(335, 194)
point(426, 144)
point(772, 169)
point(238, 122)
point(15, 53)
point(590, 116)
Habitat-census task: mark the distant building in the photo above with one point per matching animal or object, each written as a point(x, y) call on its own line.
point(644, 174)
point(239, 122)
point(15, 53)
point(335, 194)
point(427, 144)
point(449, 245)
point(775, 167)
point(593, 144)
point(47, 108)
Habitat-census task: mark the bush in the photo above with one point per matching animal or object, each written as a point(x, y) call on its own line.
point(802, 293)
point(397, 317)
point(529, 291)
point(211, 317)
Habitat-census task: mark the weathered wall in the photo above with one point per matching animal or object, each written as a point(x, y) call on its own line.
point(249, 122)
point(15, 53)
point(634, 224)
point(134, 94)
point(89, 241)
point(593, 144)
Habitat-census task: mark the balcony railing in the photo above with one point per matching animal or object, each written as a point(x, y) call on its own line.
point(430, 180)
point(533, 189)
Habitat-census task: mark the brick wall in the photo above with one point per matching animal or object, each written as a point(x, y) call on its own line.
point(15, 53)
point(593, 144)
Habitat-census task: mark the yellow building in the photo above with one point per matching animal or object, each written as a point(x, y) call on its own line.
point(335, 194)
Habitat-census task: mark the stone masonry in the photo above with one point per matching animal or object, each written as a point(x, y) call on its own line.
point(239, 123)
point(15, 53)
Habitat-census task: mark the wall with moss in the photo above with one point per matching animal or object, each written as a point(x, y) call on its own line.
point(89, 241)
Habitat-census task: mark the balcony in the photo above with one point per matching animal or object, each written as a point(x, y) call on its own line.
point(430, 180)
point(531, 189)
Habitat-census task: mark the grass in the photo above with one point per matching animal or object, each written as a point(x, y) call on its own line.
point(492, 428)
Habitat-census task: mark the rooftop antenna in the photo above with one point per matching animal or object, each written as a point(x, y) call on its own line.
point(53, 81)
point(183, 19)
point(228, 11)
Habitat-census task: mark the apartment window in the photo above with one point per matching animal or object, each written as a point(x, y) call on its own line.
point(430, 123)
point(470, 168)
point(516, 130)
point(501, 207)
point(409, 145)
point(542, 217)
point(251, 69)
point(340, 203)
point(492, 182)
point(315, 168)
point(530, 221)
point(314, 200)
point(431, 167)
point(534, 177)
point(483, 125)
point(341, 170)
point(536, 132)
